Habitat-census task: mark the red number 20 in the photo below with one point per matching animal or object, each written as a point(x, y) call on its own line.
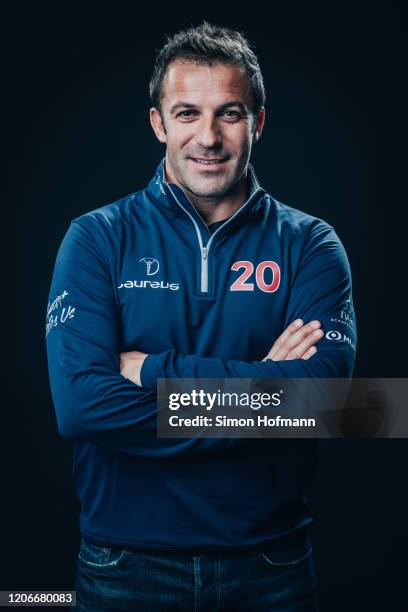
point(241, 285)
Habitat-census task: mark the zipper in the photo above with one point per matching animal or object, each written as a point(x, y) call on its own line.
point(205, 249)
point(204, 269)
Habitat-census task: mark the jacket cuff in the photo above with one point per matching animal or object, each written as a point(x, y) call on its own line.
point(152, 369)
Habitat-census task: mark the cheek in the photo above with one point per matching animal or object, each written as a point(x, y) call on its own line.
point(239, 138)
point(175, 151)
point(178, 137)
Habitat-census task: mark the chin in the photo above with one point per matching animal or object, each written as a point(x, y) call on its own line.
point(209, 186)
point(212, 191)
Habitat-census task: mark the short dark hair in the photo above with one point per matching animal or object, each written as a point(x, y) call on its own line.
point(207, 44)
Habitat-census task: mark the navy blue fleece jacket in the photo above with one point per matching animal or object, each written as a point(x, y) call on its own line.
point(146, 273)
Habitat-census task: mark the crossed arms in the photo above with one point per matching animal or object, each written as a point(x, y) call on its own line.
point(93, 384)
point(297, 342)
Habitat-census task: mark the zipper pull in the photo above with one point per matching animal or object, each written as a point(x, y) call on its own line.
point(204, 252)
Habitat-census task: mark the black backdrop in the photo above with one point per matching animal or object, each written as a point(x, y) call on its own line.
point(331, 147)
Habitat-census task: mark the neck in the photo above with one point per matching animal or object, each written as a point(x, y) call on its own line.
point(213, 209)
point(218, 209)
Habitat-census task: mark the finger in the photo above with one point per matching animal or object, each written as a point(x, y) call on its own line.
point(295, 339)
point(291, 329)
point(302, 347)
point(298, 351)
point(310, 351)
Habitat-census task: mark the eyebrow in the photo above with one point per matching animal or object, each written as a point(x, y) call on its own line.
point(179, 105)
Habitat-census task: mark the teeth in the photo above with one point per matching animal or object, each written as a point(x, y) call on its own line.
point(208, 161)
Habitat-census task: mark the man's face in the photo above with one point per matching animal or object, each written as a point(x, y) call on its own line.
point(207, 124)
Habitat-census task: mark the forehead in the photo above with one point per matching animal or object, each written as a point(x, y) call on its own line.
point(197, 83)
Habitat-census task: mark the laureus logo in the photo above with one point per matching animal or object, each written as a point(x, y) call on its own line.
point(152, 265)
point(152, 268)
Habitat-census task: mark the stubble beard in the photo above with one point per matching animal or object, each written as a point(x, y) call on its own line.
point(223, 186)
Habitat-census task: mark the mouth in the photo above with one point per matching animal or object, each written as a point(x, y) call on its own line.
point(208, 162)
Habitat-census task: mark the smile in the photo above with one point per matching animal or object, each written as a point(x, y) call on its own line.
point(208, 162)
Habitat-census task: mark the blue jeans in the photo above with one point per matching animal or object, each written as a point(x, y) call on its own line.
point(280, 577)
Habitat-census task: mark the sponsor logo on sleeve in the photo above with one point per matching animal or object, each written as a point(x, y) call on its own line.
point(344, 319)
point(337, 336)
point(58, 312)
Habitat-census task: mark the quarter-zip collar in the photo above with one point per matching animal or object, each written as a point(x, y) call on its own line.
point(170, 195)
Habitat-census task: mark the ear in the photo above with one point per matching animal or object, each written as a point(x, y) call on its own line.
point(259, 124)
point(156, 122)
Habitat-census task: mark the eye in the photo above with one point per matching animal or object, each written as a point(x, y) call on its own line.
point(232, 115)
point(186, 114)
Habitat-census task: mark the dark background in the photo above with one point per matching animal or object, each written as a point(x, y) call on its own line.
point(331, 147)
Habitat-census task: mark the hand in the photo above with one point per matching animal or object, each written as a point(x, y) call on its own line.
point(296, 342)
point(131, 365)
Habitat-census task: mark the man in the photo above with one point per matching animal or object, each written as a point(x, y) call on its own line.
point(201, 274)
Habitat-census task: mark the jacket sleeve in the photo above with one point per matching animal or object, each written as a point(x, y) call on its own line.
point(93, 401)
point(321, 289)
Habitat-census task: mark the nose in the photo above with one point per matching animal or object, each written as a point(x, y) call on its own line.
point(209, 135)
